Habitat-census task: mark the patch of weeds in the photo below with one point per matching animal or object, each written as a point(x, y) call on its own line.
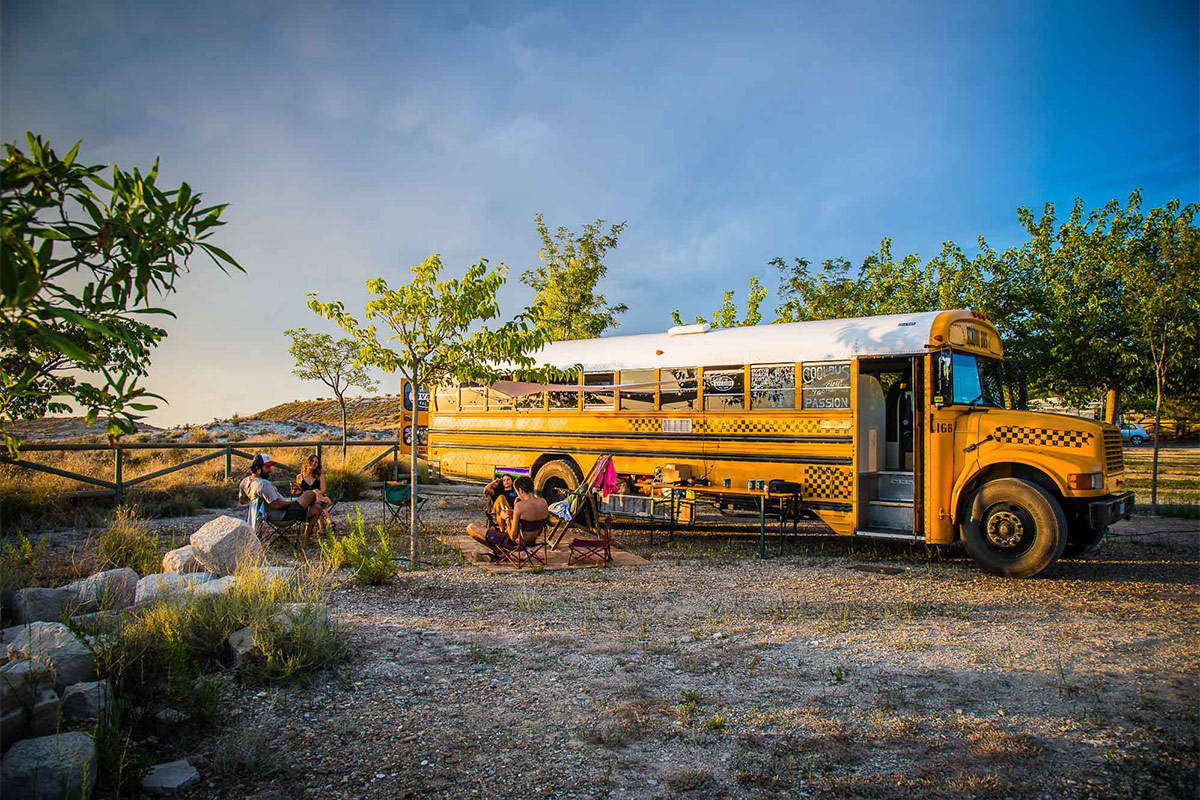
point(370, 565)
point(619, 725)
point(838, 674)
point(245, 753)
point(346, 484)
point(1065, 687)
point(716, 722)
point(127, 542)
point(120, 766)
point(682, 781)
point(529, 600)
point(482, 655)
point(18, 561)
point(689, 706)
point(198, 434)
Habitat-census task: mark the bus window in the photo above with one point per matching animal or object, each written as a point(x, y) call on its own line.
point(599, 399)
point(472, 396)
point(498, 401)
point(637, 399)
point(565, 400)
point(724, 388)
point(977, 381)
point(532, 401)
point(677, 390)
point(446, 398)
point(772, 386)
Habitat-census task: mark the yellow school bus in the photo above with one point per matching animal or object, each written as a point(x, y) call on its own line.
point(906, 426)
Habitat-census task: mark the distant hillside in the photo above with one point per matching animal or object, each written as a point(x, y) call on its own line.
point(364, 413)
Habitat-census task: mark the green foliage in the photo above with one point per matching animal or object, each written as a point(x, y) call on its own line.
point(127, 542)
point(333, 363)
point(726, 315)
point(18, 562)
point(371, 566)
point(81, 258)
point(716, 722)
point(565, 284)
point(347, 484)
point(120, 763)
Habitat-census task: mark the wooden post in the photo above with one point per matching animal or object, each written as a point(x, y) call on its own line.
point(323, 460)
point(228, 462)
point(117, 473)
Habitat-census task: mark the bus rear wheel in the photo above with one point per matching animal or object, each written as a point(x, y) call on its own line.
point(1020, 531)
point(555, 480)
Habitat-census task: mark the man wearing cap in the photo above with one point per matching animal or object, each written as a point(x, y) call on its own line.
point(258, 484)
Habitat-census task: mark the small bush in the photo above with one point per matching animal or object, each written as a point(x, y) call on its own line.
point(18, 562)
point(346, 484)
point(198, 434)
point(369, 565)
point(127, 542)
point(120, 764)
point(716, 722)
point(245, 753)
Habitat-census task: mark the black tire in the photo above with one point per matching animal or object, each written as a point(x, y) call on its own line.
point(1136, 441)
point(1082, 539)
point(1021, 529)
point(554, 480)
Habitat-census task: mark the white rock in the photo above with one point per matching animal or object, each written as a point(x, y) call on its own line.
point(211, 588)
point(45, 605)
point(21, 683)
point(109, 590)
point(181, 559)
point(241, 645)
point(287, 574)
point(164, 584)
point(224, 544)
point(89, 701)
point(44, 716)
point(169, 778)
point(53, 643)
point(50, 768)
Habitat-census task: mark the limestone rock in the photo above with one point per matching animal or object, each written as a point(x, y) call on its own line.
point(241, 645)
point(14, 724)
point(108, 590)
point(44, 605)
point(162, 584)
point(181, 559)
point(44, 715)
point(50, 768)
point(21, 683)
point(53, 643)
point(291, 616)
point(89, 702)
point(211, 588)
point(288, 574)
point(170, 778)
point(224, 543)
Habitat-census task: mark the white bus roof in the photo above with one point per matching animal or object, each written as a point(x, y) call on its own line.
point(820, 340)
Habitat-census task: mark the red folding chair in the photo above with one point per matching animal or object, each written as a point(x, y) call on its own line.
point(521, 555)
point(593, 551)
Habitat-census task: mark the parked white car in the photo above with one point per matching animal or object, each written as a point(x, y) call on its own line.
point(1133, 433)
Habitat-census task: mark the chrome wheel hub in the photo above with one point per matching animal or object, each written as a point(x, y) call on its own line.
point(1005, 529)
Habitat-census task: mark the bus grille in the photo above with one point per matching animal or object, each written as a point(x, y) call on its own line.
point(1114, 452)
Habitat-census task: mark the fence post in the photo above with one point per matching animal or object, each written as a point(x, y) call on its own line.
point(396, 461)
point(117, 473)
point(228, 461)
point(323, 460)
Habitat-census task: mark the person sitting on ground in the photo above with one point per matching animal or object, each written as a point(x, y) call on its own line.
point(258, 484)
point(311, 478)
point(501, 497)
point(525, 522)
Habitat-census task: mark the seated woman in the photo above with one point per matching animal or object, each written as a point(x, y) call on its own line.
point(311, 478)
point(524, 523)
point(501, 497)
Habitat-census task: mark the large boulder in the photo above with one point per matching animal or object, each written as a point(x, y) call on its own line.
point(108, 590)
point(44, 605)
point(89, 702)
point(170, 778)
point(182, 559)
point(162, 584)
point(226, 543)
point(14, 724)
point(21, 683)
point(50, 768)
point(290, 618)
point(212, 588)
point(53, 643)
point(44, 714)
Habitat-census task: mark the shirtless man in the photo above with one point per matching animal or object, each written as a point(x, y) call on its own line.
point(258, 484)
point(524, 523)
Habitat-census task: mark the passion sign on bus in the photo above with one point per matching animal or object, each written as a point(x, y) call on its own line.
point(825, 386)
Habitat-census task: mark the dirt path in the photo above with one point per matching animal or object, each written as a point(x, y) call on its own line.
point(710, 673)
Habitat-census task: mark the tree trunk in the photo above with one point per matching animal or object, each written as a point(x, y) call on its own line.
point(412, 475)
point(1158, 385)
point(342, 402)
point(1110, 405)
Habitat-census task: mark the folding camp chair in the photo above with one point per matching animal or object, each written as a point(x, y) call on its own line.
point(580, 505)
point(520, 555)
point(593, 551)
point(397, 497)
point(270, 530)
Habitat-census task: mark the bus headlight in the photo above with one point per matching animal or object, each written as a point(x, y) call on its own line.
point(1085, 480)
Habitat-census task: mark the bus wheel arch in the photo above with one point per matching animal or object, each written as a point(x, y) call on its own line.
point(554, 476)
point(962, 502)
point(1015, 528)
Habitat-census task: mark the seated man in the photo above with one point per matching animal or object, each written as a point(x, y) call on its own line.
point(501, 497)
point(258, 484)
point(525, 521)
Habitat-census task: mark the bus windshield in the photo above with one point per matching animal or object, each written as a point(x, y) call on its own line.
point(970, 380)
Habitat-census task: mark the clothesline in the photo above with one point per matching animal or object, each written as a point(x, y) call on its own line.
point(522, 388)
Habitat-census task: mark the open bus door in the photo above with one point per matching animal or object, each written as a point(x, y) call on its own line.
point(890, 446)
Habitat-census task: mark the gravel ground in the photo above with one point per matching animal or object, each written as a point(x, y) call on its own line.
point(710, 673)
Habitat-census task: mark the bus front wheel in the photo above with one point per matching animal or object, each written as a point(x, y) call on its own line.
point(1016, 529)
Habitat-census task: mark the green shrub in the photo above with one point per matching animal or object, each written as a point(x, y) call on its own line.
point(127, 542)
point(369, 565)
point(18, 562)
point(346, 484)
point(198, 434)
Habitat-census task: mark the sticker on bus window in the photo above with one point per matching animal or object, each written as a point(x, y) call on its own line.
point(676, 426)
point(825, 386)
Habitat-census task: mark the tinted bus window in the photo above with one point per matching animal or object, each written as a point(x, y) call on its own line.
point(772, 386)
point(724, 388)
point(599, 399)
point(637, 399)
point(678, 390)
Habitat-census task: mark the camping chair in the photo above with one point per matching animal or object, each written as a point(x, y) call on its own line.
point(270, 530)
point(593, 551)
point(580, 505)
point(519, 555)
point(397, 497)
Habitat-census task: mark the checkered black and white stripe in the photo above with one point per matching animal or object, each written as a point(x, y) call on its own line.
point(830, 482)
point(1042, 437)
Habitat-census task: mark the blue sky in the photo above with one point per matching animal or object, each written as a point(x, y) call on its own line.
point(353, 140)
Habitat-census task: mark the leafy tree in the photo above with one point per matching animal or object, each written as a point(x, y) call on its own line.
point(81, 260)
point(428, 336)
point(726, 315)
point(320, 358)
point(565, 284)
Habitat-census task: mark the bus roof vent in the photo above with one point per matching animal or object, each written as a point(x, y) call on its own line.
point(687, 330)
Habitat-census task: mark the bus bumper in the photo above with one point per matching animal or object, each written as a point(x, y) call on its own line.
point(1103, 513)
